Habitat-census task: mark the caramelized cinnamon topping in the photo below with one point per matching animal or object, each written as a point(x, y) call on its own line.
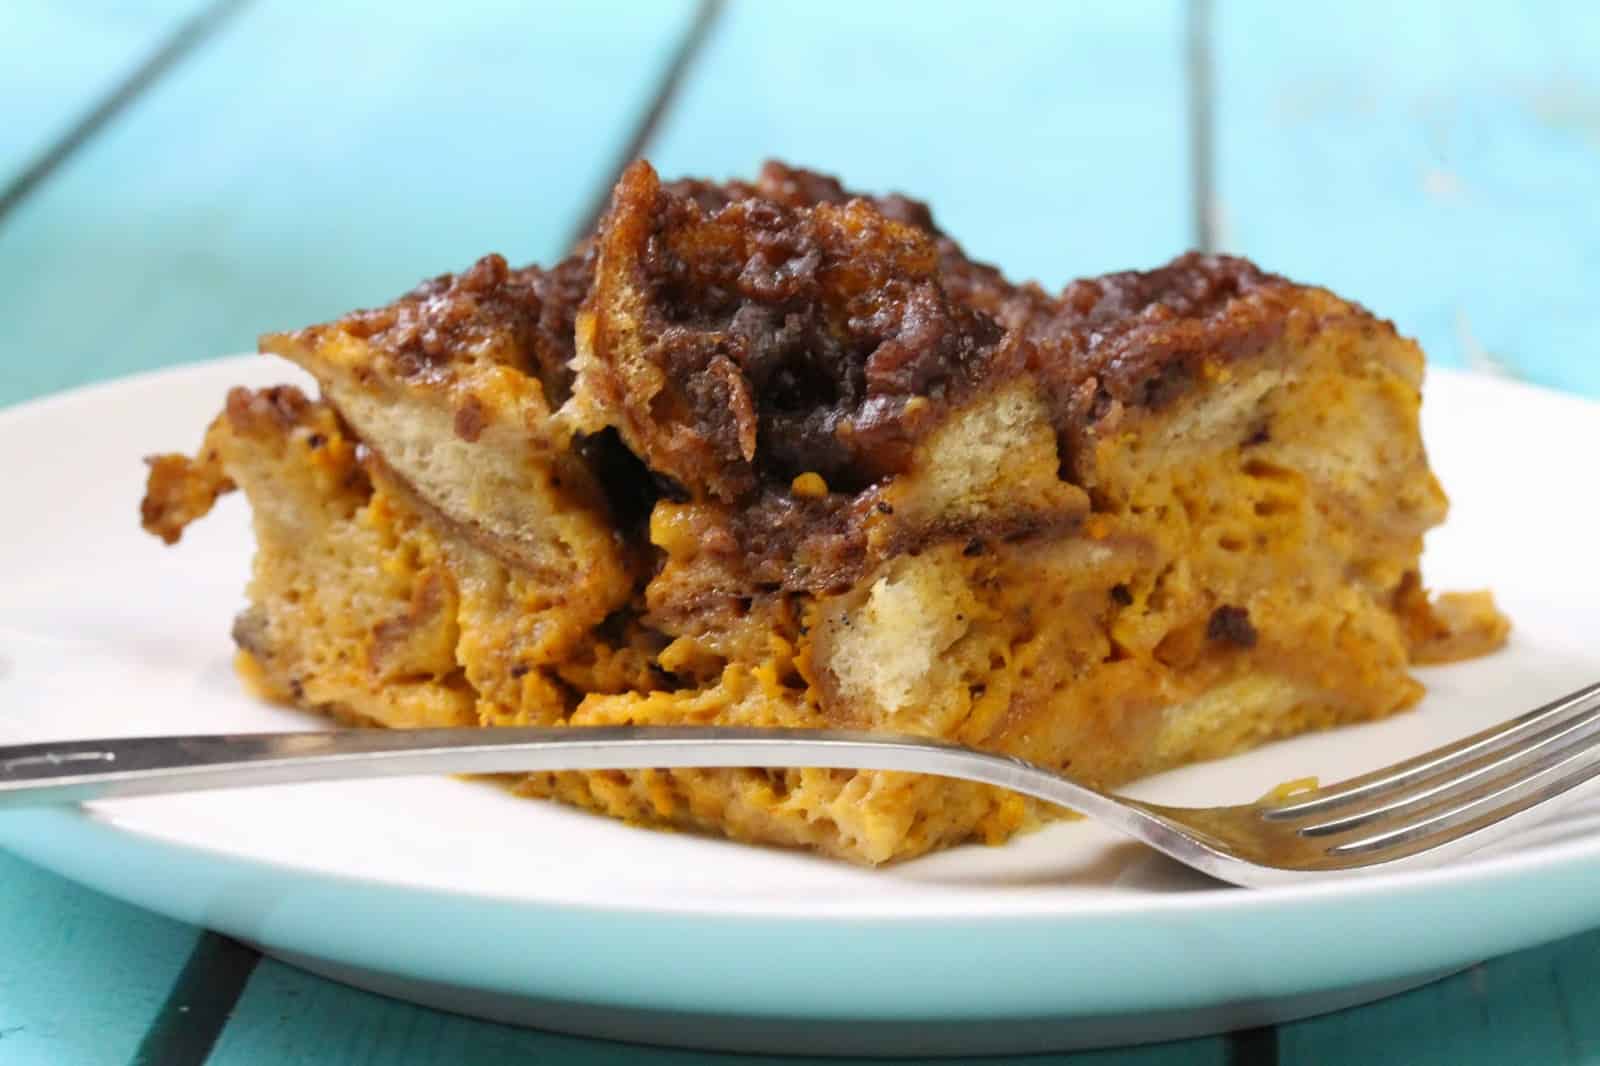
point(522, 318)
point(1141, 336)
point(742, 334)
point(738, 335)
point(757, 341)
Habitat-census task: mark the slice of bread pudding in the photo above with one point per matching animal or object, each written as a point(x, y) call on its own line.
point(774, 454)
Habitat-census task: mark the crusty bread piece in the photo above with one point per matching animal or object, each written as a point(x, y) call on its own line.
point(453, 386)
point(817, 469)
point(451, 389)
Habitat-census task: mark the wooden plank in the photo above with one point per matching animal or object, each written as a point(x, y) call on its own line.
point(1435, 160)
point(1050, 139)
point(81, 975)
point(58, 61)
point(1536, 1006)
point(1571, 973)
point(288, 1016)
point(315, 158)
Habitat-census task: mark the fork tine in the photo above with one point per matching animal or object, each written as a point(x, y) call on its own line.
point(1439, 761)
point(1428, 789)
point(1489, 810)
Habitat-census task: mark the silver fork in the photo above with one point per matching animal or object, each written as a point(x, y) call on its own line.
point(1416, 813)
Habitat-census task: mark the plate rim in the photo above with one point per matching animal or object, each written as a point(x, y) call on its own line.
point(1513, 866)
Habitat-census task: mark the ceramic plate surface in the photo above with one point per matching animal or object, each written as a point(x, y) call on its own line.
point(457, 895)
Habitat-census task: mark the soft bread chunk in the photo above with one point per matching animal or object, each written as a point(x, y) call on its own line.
point(452, 387)
point(772, 453)
point(364, 602)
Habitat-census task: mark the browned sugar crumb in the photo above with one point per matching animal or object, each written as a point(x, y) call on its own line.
point(179, 490)
point(977, 285)
point(1138, 338)
point(523, 318)
point(783, 339)
point(796, 187)
point(278, 407)
point(780, 539)
point(1232, 625)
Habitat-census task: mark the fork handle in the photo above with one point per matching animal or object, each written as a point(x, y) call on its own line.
point(77, 771)
point(81, 770)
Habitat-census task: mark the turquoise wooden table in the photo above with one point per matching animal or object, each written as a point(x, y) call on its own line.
point(178, 175)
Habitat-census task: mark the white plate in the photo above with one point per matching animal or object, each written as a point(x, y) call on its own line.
point(457, 895)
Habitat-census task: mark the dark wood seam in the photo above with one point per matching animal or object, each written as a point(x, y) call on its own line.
point(199, 1005)
point(1198, 62)
point(1252, 1047)
point(184, 40)
point(644, 131)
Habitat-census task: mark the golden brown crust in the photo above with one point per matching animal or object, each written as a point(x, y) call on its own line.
point(521, 319)
point(1451, 626)
point(180, 490)
point(1143, 337)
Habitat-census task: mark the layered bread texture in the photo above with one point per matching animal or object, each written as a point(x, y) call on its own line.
point(775, 454)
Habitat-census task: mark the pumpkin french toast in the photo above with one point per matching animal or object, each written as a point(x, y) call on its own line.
point(770, 453)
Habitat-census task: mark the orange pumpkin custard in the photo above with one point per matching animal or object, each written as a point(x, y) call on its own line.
point(774, 454)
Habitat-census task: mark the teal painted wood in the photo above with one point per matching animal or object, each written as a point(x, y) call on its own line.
point(1439, 161)
point(1539, 1006)
point(287, 1016)
point(1570, 976)
point(57, 61)
point(81, 975)
point(1050, 138)
point(312, 158)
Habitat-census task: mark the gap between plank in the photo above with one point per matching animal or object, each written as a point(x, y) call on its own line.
point(1198, 69)
point(1252, 1047)
point(199, 1005)
point(181, 43)
point(683, 57)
